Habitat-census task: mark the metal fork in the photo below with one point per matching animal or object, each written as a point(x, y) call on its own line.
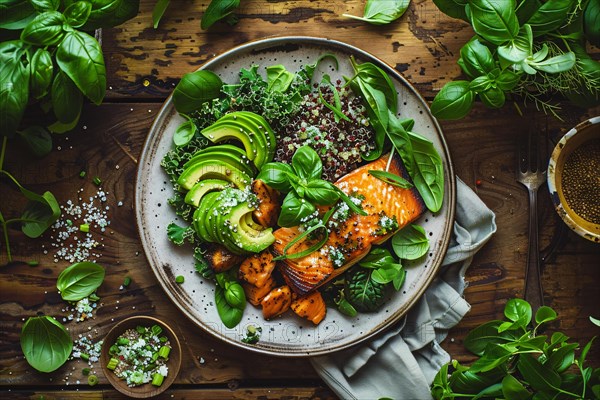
point(531, 172)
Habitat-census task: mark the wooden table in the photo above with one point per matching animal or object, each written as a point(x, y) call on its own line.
point(143, 66)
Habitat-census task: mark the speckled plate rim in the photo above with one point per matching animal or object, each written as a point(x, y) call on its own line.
point(169, 286)
point(558, 206)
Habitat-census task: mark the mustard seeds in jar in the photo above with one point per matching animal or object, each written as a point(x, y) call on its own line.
point(581, 181)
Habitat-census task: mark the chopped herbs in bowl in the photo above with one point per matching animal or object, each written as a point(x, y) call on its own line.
point(141, 356)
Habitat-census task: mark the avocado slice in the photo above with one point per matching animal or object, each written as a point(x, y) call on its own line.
point(246, 128)
point(224, 157)
point(212, 169)
point(250, 223)
point(264, 126)
point(221, 148)
point(200, 216)
point(194, 196)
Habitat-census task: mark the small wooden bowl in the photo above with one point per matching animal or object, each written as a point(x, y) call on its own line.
point(145, 390)
point(572, 140)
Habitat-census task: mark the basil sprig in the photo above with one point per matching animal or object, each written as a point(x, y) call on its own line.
point(304, 187)
point(527, 50)
point(516, 362)
point(378, 12)
point(230, 298)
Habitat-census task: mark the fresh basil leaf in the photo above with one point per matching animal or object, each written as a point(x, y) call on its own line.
point(525, 9)
point(195, 89)
point(391, 179)
point(16, 14)
point(454, 101)
point(544, 314)
point(453, 8)
point(377, 78)
point(478, 339)
point(345, 307)
point(470, 382)
point(230, 316)
point(109, 13)
point(60, 127)
point(14, 85)
point(428, 175)
point(276, 175)
point(78, 13)
point(519, 48)
point(218, 10)
point(184, 133)
point(495, 21)
point(45, 29)
point(481, 84)
point(39, 214)
point(556, 64)
point(397, 132)
point(562, 358)
point(42, 69)
point(80, 57)
point(550, 16)
point(235, 296)
point(591, 22)
point(46, 343)
point(67, 100)
point(37, 139)
point(378, 257)
point(410, 243)
point(378, 12)
point(158, 11)
point(321, 192)
point(307, 164)
point(79, 280)
point(279, 79)
point(513, 389)
point(493, 97)
point(293, 210)
point(507, 80)
point(45, 5)
point(539, 377)
point(384, 276)
point(476, 59)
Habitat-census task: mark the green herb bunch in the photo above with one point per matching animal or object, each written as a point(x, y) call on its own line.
point(527, 50)
point(516, 362)
point(48, 56)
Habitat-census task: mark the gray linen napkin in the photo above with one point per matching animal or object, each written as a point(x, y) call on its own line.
point(402, 362)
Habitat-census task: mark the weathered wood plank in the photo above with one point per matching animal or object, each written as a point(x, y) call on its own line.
point(144, 62)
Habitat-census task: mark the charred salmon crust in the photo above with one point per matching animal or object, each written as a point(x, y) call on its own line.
point(353, 237)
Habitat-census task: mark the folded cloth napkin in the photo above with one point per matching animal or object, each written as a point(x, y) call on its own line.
point(402, 362)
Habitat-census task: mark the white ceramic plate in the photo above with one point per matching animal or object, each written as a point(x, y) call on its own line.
point(288, 335)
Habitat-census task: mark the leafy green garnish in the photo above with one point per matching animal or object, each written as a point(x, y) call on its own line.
point(45, 343)
point(79, 280)
point(180, 235)
point(381, 12)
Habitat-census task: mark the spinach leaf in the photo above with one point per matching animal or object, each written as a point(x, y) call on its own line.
point(454, 101)
point(410, 243)
point(377, 78)
point(67, 100)
point(293, 210)
point(550, 16)
point(495, 21)
point(45, 5)
point(45, 29)
point(14, 85)
point(79, 280)
point(42, 69)
point(453, 8)
point(307, 163)
point(278, 78)
point(391, 179)
point(276, 175)
point(378, 12)
point(37, 139)
point(476, 59)
point(78, 13)
point(184, 133)
point(46, 343)
point(16, 14)
point(519, 48)
point(397, 132)
point(80, 57)
point(159, 10)
point(195, 89)
point(218, 10)
point(230, 316)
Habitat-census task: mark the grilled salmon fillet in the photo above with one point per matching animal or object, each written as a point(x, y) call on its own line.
point(352, 239)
